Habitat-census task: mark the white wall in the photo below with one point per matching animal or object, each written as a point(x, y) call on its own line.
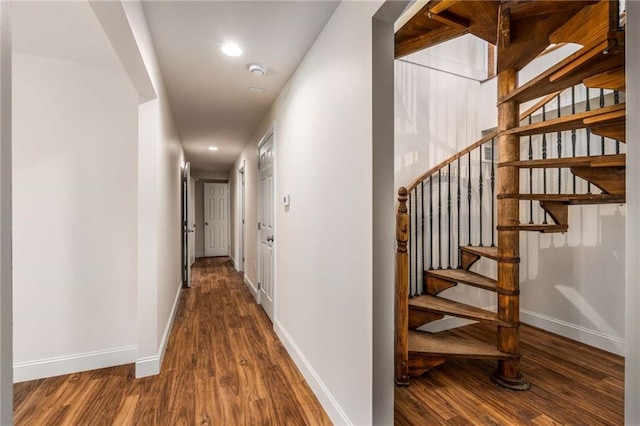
point(323, 292)
point(6, 320)
point(159, 292)
point(75, 201)
point(632, 296)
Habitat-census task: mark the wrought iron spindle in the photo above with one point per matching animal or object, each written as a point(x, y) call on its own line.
point(480, 195)
point(602, 106)
point(422, 229)
point(573, 132)
point(559, 151)
point(616, 100)
point(530, 176)
point(493, 191)
point(459, 203)
point(410, 247)
point(431, 222)
point(449, 214)
point(544, 156)
point(440, 219)
point(469, 194)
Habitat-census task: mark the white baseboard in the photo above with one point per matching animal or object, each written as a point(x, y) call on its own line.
point(578, 333)
point(252, 288)
point(151, 365)
point(235, 264)
point(328, 402)
point(50, 367)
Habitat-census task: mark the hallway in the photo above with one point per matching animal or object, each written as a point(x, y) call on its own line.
point(223, 365)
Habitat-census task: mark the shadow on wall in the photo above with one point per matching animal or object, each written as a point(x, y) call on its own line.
point(578, 278)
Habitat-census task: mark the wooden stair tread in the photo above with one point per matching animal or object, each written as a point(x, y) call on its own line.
point(615, 160)
point(611, 79)
point(598, 116)
point(484, 251)
point(450, 307)
point(570, 198)
point(586, 62)
point(464, 277)
point(544, 228)
point(452, 347)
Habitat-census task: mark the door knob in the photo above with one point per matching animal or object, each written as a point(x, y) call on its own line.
point(270, 239)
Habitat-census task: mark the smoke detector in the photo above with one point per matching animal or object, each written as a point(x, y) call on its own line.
point(256, 70)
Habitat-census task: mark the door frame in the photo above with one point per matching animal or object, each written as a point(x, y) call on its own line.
point(271, 132)
point(242, 217)
point(184, 224)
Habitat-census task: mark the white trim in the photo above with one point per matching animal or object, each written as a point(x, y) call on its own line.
point(578, 333)
point(252, 287)
point(56, 366)
point(235, 264)
point(151, 365)
point(326, 399)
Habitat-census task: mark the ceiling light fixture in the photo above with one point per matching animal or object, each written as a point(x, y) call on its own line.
point(256, 70)
point(256, 90)
point(213, 148)
point(231, 49)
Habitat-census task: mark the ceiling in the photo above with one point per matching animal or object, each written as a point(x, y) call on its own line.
point(209, 91)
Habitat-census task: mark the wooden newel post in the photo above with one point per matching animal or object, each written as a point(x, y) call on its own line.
point(402, 291)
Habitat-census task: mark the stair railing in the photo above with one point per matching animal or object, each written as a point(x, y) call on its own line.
point(454, 203)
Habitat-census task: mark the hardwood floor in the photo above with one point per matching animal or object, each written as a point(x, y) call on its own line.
point(571, 384)
point(223, 366)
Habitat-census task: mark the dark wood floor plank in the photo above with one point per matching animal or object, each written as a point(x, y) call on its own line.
point(572, 384)
point(223, 366)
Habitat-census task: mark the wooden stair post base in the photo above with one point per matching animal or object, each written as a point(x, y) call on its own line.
point(520, 384)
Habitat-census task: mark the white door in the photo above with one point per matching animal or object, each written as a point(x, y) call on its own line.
point(191, 222)
point(187, 225)
point(241, 239)
point(266, 225)
point(216, 219)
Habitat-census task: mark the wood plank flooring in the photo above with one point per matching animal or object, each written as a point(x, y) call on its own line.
point(572, 384)
point(223, 366)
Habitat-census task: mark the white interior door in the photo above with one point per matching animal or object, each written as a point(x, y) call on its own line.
point(191, 222)
point(241, 239)
point(216, 219)
point(187, 228)
point(266, 225)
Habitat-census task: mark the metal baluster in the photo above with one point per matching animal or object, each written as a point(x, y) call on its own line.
point(493, 191)
point(480, 194)
point(469, 193)
point(616, 100)
point(422, 228)
point(410, 249)
point(431, 222)
point(530, 177)
point(440, 219)
point(458, 201)
point(449, 213)
point(559, 151)
point(544, 156)
point(573, 132)
point(602, 106)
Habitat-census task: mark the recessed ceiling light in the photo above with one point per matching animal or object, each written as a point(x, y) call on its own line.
point(231, 49)
point(213, 148)
point(256, 90)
